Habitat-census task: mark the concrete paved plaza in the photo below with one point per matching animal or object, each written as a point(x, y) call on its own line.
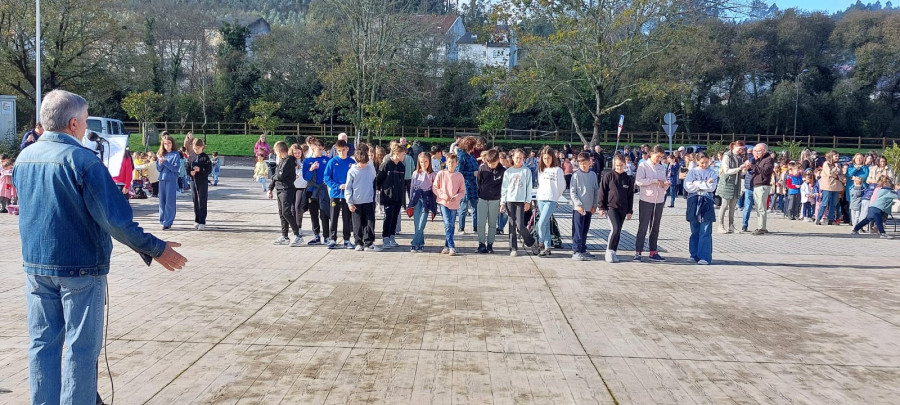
point(805, 315)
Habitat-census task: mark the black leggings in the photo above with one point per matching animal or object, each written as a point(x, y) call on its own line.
point(616, 220)
point(516, 211)
point(200, 189)
point(300, 204)
point(649, 214)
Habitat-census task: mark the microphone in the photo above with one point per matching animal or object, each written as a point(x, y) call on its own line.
point(94, 137)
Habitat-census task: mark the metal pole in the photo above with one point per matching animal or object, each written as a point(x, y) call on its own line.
point(796, 104)
point(37, 61)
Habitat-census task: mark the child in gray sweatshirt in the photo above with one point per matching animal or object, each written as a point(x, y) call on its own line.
point(360, 193)
point(584, 192)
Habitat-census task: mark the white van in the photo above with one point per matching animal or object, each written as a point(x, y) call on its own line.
point(105, 126)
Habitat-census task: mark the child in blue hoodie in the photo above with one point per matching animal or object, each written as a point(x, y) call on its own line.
point(316, 191)
point(336, 179)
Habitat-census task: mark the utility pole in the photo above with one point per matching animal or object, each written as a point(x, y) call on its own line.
point(37, 61)
point(797, 104)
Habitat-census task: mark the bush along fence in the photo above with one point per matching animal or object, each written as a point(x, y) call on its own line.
point(560, 136)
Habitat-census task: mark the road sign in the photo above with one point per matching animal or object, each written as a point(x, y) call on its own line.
point(669, 118)
point(670, 126)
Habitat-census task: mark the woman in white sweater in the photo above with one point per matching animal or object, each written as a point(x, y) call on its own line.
point(551, 184)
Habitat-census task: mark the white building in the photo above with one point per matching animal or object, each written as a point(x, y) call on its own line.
point(499, 50)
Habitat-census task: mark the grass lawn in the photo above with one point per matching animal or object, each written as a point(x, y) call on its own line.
point(242, 145)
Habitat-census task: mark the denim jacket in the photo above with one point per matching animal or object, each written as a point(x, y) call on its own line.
point(70, 210)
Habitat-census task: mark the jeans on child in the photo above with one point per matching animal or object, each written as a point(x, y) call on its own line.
point(65, 324)
point(449, 217)
point(420, 219)
point(700, 243)
point(265, 186)
point(545, 208)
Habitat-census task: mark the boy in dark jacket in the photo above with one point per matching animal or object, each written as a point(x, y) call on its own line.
point(391, 180)
point(283, 182)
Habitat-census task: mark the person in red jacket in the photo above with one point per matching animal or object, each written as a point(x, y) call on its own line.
point(123, 180)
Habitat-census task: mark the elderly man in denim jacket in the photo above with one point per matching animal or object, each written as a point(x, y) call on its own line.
point(70, 211)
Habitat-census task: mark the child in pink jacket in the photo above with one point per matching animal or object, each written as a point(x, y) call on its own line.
point(449, 189)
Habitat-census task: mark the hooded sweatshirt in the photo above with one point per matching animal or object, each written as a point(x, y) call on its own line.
point(490, 182)
point(336, 175)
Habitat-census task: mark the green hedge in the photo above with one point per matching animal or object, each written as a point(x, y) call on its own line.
point(242, 145)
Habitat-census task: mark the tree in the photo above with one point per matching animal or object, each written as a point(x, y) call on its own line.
point(238, 78)
point(377, 121)
point(264, 116)
point(589, 61)
point(492, 120)
point(145, 107)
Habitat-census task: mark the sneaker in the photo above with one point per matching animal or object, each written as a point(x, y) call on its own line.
point(513, 253)
point(481, 248)
point(615, 257)
point(359, 248)
point(373, 248)
point(196, 226)
point(387, 243)
point(499, 231)
point(547, 252)
point(589, 255)
point(818, 222)
point(298, 241)
point(608, 256)
point(413, 249)
point(542, 253)
point(703, 262)
point(758, 232)
point(730, 229)
point(656, 257)
point(535, 249)
point(490, 248)
point(637, 257)
point(280, 241)
point(332, 245)
point(166, 228)
point(578, 257)
point(314, 241)
point(452, 252)
point(722, 230)
point(349, 245)
point(328, 241)
point(885, 236)
point(394, 242)
point(201, 227)
point(744, 230)
point(445, 251)
point(854, 232)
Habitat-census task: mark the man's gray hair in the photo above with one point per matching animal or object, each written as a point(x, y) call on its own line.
point(764, 146)
point(58, 107)
point(342, 135)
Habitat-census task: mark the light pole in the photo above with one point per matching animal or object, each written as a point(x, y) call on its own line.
point(37, 61)
point(797, 104)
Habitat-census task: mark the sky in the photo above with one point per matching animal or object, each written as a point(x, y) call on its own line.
point(829, 6)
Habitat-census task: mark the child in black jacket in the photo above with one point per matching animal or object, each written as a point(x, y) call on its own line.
point(200, 166)
point(283, 182)
point(391, 182)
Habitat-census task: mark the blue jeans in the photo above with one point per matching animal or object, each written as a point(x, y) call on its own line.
point(449, 217)
point(673, 189)
point(167, 190)
point(420, 218)
point(264, 182)
point(464, 206)
point(700, 243)
point(581, 224)
point(545, 208)
point(501, 221)
point(64, 310)
point(748, 207)
point(875, 215)
point(829, 198)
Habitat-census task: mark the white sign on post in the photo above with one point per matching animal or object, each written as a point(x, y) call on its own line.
point(670, 126)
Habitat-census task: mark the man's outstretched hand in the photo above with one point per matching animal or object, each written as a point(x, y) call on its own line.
point(170, 259)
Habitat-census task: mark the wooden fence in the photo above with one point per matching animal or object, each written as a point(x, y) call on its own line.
point(569, 136)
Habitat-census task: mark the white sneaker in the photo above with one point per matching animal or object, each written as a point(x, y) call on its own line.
point(445, 251)
point(513, 253)
point(281, 241)
point(298, 241)
point(452, 252)
point(373, 248)
point(886, 236)
point(703, 262)
point(196, 226)
point(201, 227)
point(359, 248)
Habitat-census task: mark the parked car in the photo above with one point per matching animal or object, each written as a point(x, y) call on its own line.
point(109, 143)
point(106, 126)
